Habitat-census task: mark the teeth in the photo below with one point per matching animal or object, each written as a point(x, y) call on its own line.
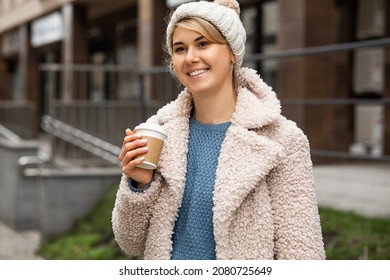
point(198, 72)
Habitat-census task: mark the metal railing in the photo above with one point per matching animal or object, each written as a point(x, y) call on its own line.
point(327, 49)
point(81, 139)
point(144, 104)
point(107, 119)
point(8, 134)
point(342, 47)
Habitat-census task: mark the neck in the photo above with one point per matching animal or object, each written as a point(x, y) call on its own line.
point(214, 108)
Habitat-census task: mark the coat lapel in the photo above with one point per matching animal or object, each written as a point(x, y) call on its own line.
point(245, 160)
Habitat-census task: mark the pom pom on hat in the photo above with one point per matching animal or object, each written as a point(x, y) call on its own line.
point(232, 4)
point(223, 14)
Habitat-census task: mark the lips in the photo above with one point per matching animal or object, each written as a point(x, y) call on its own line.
point(197, 72)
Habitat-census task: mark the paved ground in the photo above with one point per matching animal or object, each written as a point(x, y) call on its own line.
point(364, 189)
point(18, 245)
point(360, 188)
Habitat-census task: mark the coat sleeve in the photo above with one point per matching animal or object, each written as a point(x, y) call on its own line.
point(294, 203)
point(131, 215)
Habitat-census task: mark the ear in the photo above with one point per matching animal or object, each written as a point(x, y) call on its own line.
point(171, 68)
point(232, 58)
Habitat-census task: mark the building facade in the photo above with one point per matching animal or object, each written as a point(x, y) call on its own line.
point(127, 34)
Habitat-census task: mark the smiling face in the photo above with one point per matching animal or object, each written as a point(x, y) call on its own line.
point(201, 65)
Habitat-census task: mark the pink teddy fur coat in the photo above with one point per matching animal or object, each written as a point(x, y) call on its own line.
point(265, 205)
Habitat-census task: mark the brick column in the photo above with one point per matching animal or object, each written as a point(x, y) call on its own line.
point(28, 59)
point(29, 70)
point(151, 30)
point(5, 81)
point(291, 35)
point(74, 50)
point(309, 23)
point(386, 94)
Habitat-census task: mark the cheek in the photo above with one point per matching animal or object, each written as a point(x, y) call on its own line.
point(222, 56)
point(176, 64)
point(224, 62)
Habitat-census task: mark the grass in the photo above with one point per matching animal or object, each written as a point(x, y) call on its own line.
point(347, 236)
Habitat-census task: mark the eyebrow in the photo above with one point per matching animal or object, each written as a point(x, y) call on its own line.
point(181, 43)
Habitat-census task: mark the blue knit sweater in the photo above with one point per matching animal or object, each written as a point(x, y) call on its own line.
point(193, 236)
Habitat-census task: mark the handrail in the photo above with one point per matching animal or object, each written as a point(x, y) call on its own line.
point(334, 101)
point(318, 50)
point(8, 134)
point(81, 139)
point(87, 67)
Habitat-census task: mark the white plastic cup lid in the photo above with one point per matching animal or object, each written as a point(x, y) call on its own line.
point(151, 127)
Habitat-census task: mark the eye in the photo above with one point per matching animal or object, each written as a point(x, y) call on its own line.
point(203, 44)
point(178, 49)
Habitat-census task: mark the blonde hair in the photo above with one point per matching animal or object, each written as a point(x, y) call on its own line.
point(206, 29)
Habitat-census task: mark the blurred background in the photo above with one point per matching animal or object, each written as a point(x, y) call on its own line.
point(75, 74)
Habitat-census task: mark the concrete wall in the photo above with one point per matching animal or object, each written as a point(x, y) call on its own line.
point(47, 199)
point(66, 196)
point(18, 194)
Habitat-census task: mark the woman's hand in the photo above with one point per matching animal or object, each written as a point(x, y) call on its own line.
point(134, 146)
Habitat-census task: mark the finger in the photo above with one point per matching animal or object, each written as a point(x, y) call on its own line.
point(131, 167)
point(131, 145)
point(132, 154)
point(127, 139)
point(130, 136)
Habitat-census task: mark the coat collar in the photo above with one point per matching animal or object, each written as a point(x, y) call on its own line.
point(257, 105)
point(253, 154)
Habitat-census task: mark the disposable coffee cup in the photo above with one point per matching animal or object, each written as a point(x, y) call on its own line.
point(156, 136)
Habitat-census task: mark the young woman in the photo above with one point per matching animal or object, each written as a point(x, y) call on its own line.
point(235, 178)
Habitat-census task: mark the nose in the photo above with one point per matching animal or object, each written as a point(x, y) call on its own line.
point(191, 56)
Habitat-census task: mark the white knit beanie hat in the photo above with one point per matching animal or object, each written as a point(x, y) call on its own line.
point(223, 14)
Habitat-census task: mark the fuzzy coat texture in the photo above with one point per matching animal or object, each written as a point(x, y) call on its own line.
point(265, 205)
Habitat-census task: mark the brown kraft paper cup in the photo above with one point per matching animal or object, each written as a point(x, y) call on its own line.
point(155, 136)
